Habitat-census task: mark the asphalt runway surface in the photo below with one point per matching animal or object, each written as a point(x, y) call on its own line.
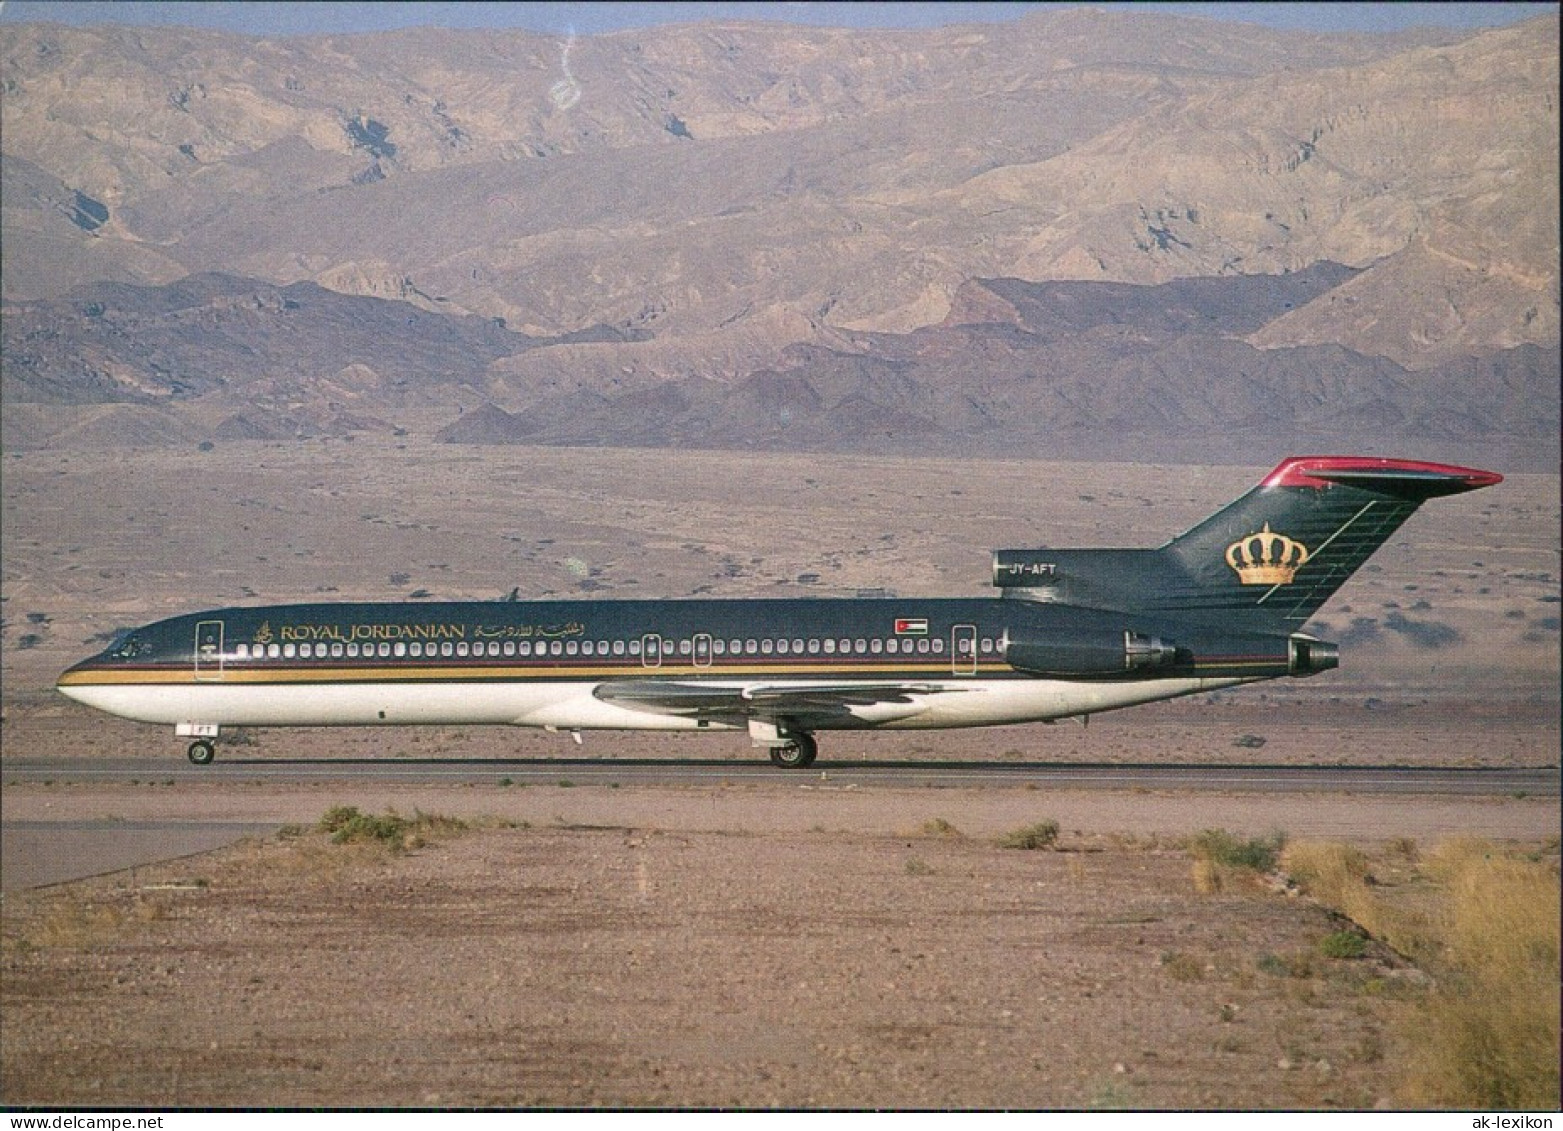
point(1491, 782)
point(66, 819)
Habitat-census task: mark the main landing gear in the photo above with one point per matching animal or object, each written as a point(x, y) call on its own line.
point(202, 751)
point(797, 754)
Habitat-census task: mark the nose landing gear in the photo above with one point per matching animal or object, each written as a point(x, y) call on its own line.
point(201, 751)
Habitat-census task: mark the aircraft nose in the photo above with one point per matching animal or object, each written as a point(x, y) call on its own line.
point(72, 681)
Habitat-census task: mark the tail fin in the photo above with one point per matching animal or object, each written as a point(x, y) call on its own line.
point(1279, 552)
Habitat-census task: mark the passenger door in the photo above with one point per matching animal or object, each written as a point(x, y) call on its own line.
point(209, 650)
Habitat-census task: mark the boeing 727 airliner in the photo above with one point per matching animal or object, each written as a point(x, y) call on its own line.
point(1072, 633)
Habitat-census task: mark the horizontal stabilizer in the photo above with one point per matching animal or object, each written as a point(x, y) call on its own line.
point(1405, 478)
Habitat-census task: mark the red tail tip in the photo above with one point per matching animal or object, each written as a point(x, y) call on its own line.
point(1370, 471)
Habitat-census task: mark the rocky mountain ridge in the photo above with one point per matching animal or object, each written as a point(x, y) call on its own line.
point(725, 219)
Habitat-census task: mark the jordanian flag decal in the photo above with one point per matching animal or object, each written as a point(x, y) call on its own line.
point(911, 626)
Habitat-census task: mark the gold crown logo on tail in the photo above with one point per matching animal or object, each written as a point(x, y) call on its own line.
point(1266, 558)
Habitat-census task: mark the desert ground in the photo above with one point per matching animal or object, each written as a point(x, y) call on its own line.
point(788, 945)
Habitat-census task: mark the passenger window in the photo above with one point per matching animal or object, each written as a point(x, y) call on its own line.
point(461, 648)
point(241, 651)
point(385, 649)
point(781, 647)
point(751, 647)
point(767, 647)
point(289, 651)
point(719, 647)
point(814, 647)
point(938, 646)
point(572, 648)
point(987, 645)
point(588, 648)
point(876, 645)
point(618, 647)
point(860, 646)
point(524, 648)
point(797, 647)
point(602, 647)
point(683, 648)
point(830, 647)
point(634, 647)
point(400, 649)
point(510, 648)
point(893, 646)
point(556, 649)
point(447, 649)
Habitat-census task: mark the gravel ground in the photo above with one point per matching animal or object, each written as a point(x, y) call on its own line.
point(775, 946)
point(616, 966)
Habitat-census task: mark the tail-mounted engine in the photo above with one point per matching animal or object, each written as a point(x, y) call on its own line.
point(1089, 655)
point(1307, 656)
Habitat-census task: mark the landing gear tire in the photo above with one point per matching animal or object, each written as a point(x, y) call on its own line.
point(201, 752)
point(798, 754)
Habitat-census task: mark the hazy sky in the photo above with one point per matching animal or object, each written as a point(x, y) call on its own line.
point(588, 18)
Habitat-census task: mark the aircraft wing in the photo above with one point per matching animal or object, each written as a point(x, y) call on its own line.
point(815, 701)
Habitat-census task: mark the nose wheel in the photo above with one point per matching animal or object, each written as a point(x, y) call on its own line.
point(201, 752)
point(797, 754)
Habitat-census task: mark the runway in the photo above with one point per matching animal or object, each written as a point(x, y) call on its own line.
point(66, 819)
point(1254, 777)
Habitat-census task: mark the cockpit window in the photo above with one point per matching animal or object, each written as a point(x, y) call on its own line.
point(129, 647)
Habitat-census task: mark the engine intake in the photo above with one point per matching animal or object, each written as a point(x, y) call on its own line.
point(1089, 654)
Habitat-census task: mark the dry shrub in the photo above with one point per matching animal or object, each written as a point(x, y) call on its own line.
point(1326, 870)
point(1221, 858)
point(78, 926)
point(395, 832)
point(1207, 877)
point(1182, 966)
point(1337, 875)
point(1043, 834)
point(1488, 1038)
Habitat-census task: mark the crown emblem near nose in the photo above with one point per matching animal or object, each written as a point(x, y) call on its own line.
point(1266, 558)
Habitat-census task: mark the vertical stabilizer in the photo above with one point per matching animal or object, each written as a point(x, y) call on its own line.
point(1278, 553)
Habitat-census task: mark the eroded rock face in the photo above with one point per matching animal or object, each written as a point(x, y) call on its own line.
point(696, 179)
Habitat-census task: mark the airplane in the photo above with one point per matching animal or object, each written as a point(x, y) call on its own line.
point(1071, 633)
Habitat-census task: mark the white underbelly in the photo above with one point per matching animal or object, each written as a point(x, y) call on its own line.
point(564, 705)
point(572, 705)
point(976, 703)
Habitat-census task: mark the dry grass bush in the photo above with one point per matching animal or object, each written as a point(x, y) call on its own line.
point(1043, 834)
point(1338, 876)
point(76, 924)
point(1221, 858)
point(396, 833)
point(1489, 1036)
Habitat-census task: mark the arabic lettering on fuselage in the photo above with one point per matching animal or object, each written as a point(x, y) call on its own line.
point(349, 633)
point(528, 631)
